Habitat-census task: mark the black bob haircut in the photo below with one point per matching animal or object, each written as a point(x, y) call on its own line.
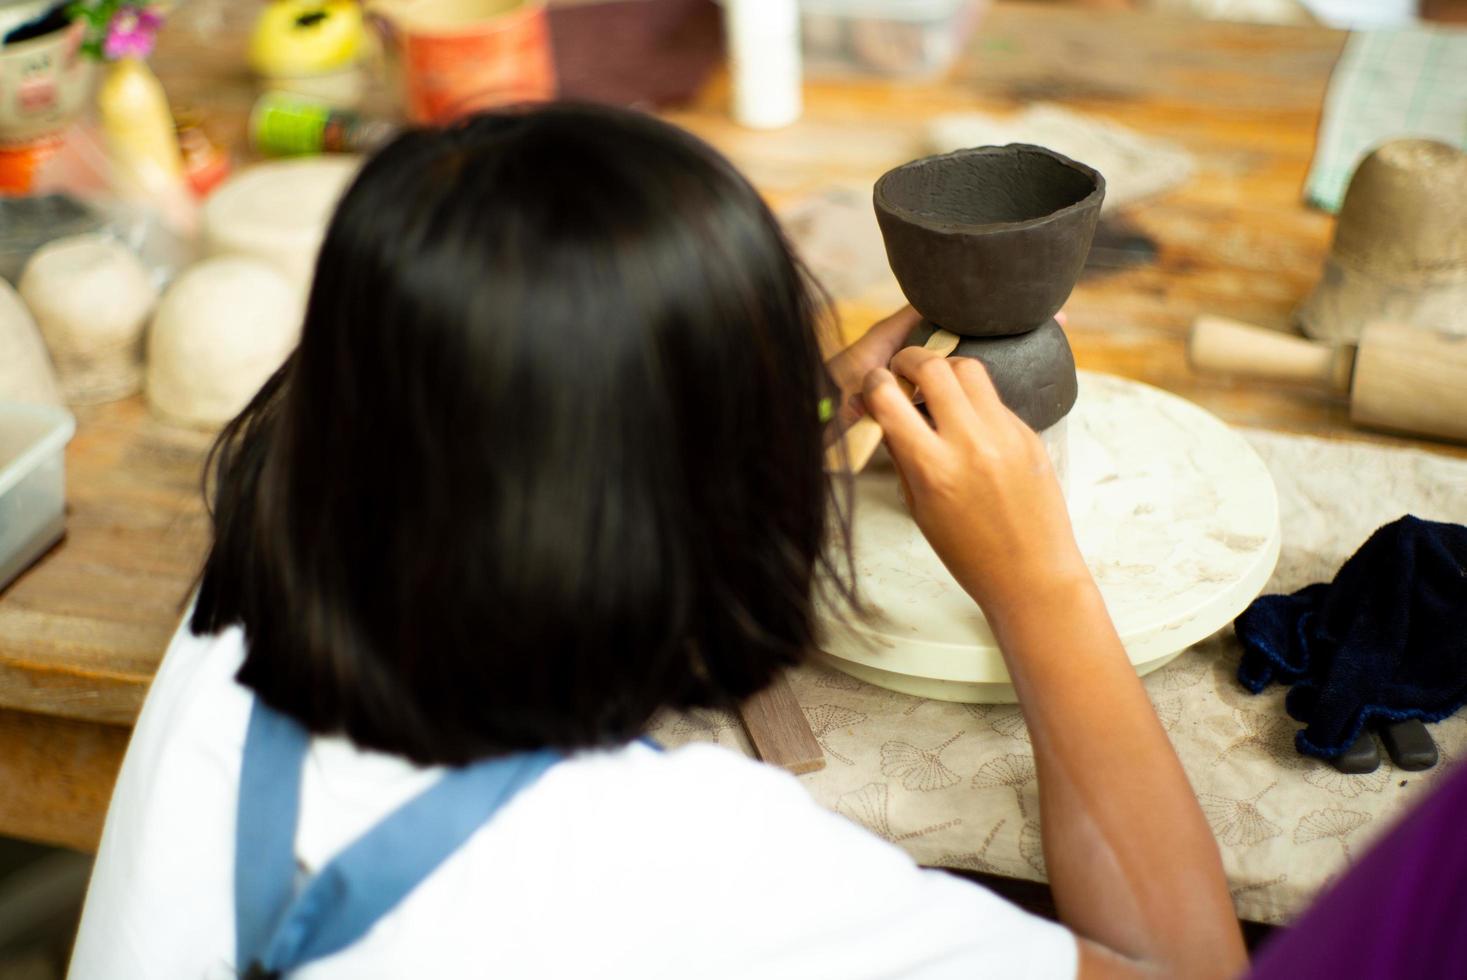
point(548, 457)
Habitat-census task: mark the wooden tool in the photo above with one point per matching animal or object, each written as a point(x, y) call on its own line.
point(859, 442)
point(1401, 378)
point(779, 730)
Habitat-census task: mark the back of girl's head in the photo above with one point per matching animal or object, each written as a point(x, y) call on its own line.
point(547, 458)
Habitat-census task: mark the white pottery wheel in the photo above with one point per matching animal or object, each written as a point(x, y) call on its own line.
point(1176, 516)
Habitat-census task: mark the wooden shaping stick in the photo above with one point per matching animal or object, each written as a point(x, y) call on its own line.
point(858, 443)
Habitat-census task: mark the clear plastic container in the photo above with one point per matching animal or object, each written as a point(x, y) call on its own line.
point(27, 223)
point(895, 38)
point(1056, 440)
point(33, 442)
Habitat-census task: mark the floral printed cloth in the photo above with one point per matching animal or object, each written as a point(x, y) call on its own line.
point(954, 784)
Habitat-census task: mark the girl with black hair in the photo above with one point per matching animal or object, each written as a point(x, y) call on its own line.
point(548, 461)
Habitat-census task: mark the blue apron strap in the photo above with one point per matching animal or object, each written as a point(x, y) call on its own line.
point(376, 872)
point(265, 825)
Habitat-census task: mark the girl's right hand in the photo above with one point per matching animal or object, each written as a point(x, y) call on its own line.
point(978, 481)
point(1132, 860)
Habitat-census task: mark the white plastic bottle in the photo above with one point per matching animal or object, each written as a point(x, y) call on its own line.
point(764, 61)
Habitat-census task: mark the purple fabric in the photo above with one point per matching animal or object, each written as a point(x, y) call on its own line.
point(1400, 912)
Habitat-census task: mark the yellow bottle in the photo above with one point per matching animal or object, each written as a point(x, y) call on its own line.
point(141, 138)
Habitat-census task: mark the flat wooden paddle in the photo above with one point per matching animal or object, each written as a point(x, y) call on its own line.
point(779, 730)
point(858, 443)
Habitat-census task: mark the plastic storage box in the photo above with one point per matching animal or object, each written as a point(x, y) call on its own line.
point(896, 38)
point(33, 442)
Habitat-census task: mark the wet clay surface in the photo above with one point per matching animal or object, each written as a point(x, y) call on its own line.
point(1033, 372)
point(989, 241)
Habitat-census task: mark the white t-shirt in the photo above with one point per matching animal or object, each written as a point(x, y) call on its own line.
point(694, 862)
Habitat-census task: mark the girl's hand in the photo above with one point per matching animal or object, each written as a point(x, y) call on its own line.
point(978, 481)
point(875, 349)
point(849, 368)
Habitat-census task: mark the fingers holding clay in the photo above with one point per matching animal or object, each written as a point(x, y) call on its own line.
point(978, 386)
point(1034, 372)
point(932, 375)
point(886, 336)
point(906, 431)
point(874, 349)
point(979, 486)
point(848, 369)
point(959, 393)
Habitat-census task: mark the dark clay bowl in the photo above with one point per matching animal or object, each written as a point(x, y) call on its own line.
point(989, 241)
point(1034, 373)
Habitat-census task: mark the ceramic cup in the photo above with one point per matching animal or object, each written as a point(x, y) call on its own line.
point(989, 241)
point(457, 56)
point(43, 86)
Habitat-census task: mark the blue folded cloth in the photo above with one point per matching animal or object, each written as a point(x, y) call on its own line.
point(1386, 640)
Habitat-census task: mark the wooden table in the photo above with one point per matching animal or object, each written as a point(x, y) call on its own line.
point(82, 632)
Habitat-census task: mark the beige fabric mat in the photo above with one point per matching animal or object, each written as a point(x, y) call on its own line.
point(954, 784)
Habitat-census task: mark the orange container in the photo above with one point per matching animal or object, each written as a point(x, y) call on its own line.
point(457, 56)
point(20, 162)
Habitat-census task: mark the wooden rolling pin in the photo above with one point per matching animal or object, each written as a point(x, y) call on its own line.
point(1401, 378)
point(859, 442)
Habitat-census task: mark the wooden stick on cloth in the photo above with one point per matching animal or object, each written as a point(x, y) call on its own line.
point(779, 730)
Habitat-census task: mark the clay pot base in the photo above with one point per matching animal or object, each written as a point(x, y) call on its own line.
point(1033, 372)
point(989, 241)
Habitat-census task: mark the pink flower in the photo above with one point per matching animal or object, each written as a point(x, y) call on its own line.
point(131, 32)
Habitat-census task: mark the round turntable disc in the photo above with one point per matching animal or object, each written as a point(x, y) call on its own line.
point(1175, 514)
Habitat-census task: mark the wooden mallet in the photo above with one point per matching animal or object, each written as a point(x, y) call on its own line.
point(1401, 378)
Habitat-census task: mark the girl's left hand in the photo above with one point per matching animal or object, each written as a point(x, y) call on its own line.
point(875, 349)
